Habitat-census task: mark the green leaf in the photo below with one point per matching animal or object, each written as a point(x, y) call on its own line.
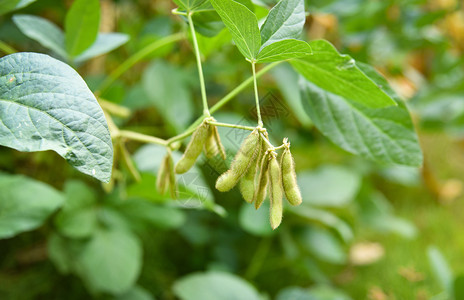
point(386, 135)
point(285, 21)
point(43, 31)
point(105, 43)
point(111, 261)
point(136, 293)
point(78, 218)
point(242, 25)
point(189, 5)
point(166, 87)
point(287, 80)
point(25, 204)
point(45, 105)
point(440, 268)
point(340, 75)
point(254, 221)
point(63, 252)
point(81, 25)
point(322, 244)
point(10, 5)
point(214, 286)
point(295, 293)
point(284, 49)
point(329, 185)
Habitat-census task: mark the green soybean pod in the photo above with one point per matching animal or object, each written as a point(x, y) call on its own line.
point(193, 150)
point(162, 178)
point(245, 155)
point(263, 181)
point(172, 177)
point(289, 183)
point(247, 182)
point(213, 145)
point(276, 193)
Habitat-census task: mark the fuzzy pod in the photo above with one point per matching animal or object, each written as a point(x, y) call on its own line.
point(276, 193)
point(289, 183)
point(245, 155)
point(172, 177)
point(193, 150)
point(213, 145)
point(162, 178)
point(263, 181)
point(248, 182)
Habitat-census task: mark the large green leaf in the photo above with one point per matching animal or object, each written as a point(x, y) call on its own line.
point(45, 105)
point(43, 31)
point(189, 5)
point(105, 42)
point(440, 268)
point(284, 49)
point(242, 24)
point(10, 5)
point(25, 204)
point(111, 261)
point(78, 218)
point(81, 25)
point(385, 135)
point(340, 75)
point(214, 286)
point(285, 20)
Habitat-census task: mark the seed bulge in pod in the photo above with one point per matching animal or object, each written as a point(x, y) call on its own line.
point(240, 164)
point(263, 181)
point(193, 150)
point(289, 182)
point(247, 182)
point(275, 193)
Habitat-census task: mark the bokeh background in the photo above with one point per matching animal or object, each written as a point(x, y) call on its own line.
point(364, 230)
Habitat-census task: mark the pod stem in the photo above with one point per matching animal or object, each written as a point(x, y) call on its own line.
point(258, 110)
point(200, 69)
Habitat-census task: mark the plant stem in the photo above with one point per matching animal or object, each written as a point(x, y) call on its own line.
point(114, 108)
point(138, 56)
point(200, 69)
point(241, 87)
point(5, 48)
point(128, 161)
point(258, 258)
point(258, 111)
point(153, 140)
point(232, 126)
point(142, 137)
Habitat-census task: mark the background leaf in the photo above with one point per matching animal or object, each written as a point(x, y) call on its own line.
point(111, 261)
point(214, 286)
point(45, 105)
point(386, 135)
point(43, 31)
point(81, 25)
point(285, 21)
point(284, 49)
point(10, 5)
point(25, 204)
point(340, 75)
point(242, 24)
point(440, 268)
point(105, 42)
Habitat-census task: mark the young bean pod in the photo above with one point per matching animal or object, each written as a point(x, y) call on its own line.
point(213, 145)
point(162, 178)
point(263, 180)
point(289, 182)
point(193, 150)
point(247, 182)
point(276, 193)
point(245, 155)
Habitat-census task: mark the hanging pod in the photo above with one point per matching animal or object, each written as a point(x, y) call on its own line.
point(289, 182)
point(162, 178)
point(213, 145)
point(263, 179)
point(248, 181)
point(275, 193)
point(194, 148)
point(245, 155)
